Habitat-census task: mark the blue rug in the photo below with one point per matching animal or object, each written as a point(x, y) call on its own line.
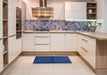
point(51, 59)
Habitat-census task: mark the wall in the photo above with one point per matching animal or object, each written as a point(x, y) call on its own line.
point(48, 25)
point(29, 5)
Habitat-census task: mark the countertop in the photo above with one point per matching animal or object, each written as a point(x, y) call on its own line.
point(96, 35)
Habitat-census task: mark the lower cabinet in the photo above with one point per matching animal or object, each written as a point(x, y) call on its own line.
point(19, 45)
point(58, 41)
point(1, 56)
point(87, 49)
point(42, 42)
point(49, 42)
point(71, 42)
point(12, 48)
point(28, 42)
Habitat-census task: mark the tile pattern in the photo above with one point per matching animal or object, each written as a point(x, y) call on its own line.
point(48, 25)
point(24, 66)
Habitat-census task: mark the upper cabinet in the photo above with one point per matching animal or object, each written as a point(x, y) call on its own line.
point(75, 10)
point(12, 17)
point(1, 18)
point(58, 7)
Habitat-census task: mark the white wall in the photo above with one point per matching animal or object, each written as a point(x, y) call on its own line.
point(29, 5)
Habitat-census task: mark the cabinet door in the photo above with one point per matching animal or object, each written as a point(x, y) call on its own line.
point(1, 56)
point(28, 42)
point(87, 49)
point(1, 19)
point(71, 42)
point(42, 43)
point(12, 17)
point(19, 45)
point(75, 10)
point(58, 7)
point(79, 43)
point(58, 42)
point(92, 52)
point(12, 48)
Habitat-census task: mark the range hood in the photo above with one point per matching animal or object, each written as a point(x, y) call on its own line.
point(42, 12)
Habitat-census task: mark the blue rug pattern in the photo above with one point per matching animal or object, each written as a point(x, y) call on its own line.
point(51, 59)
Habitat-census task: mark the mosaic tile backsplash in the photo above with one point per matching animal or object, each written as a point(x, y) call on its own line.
point(48, 25)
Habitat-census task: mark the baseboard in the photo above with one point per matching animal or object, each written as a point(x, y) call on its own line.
point(10, 64)
point(50, 53)
point(91, 67)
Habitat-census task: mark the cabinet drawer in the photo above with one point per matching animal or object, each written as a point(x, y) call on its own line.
point(42, 47)
point(42, 34)
point(84, 51)
point(42, 40)
point(85, 42)
point(87, 48)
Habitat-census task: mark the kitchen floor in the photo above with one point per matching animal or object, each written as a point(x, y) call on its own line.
point(24, 66)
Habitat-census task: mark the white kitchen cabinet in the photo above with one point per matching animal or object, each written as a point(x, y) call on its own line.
point(12, 48)
point(1, 6)
point(12, 17)
point(58, 7)
point(58, 41)
point(92, 52)
point(19, 45)
point(42, 47)
point(42, 41)
point(71, 42)
point(87, 49)
point(28, 42)
point(75, 10)
point(1, 56)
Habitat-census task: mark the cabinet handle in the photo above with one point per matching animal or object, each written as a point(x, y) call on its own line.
point(42, 44)
point(42, 36)
point(84, 40)
point(12, 35)
point(84, 49)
